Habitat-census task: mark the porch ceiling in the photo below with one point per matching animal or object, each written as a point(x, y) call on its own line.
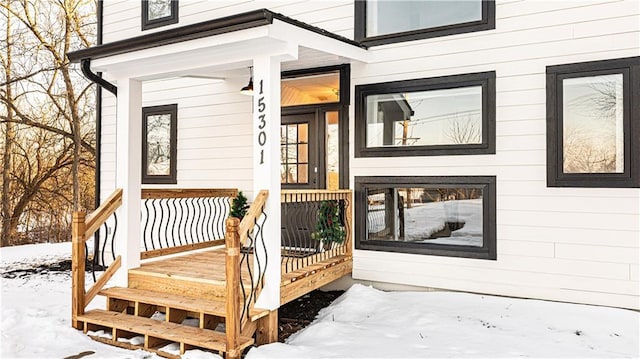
point(211, 48)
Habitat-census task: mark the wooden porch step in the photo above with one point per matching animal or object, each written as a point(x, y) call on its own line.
point(206, 306)
point(174, 301)
point(150, 328)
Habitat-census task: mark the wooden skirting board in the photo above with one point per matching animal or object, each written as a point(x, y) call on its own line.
point(323, 274)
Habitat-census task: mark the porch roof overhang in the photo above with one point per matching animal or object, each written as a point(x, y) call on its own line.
point(205, 48)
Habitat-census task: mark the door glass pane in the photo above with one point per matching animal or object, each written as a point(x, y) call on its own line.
point(425, 118)
point(593, 132)
point(303, 173)
point(303, 133)
point(433, 215)
point(332, 149)
point(294, 153)
point(303, 155)
point(390, 16)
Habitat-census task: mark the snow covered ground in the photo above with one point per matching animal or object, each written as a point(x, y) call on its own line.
point(363, 323)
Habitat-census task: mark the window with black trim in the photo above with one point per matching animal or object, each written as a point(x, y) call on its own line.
point(157, 13)
point(593, 124)
point(449, 115)
point(379, 22)
point(159, 139)
point(445, 216)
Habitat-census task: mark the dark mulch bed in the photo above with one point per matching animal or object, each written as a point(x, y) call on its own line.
point(28, 269)
point(299, 313)
point(37, 269)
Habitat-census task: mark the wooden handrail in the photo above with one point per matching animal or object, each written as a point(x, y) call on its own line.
point(83, 227)
point(94, 220)
point(313, 191)
point(232, 274)
point(104, 278)
point(313, 195)
point(161, 193)
point(253, 213)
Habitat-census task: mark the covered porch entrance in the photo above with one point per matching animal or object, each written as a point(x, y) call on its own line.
point(215, 281)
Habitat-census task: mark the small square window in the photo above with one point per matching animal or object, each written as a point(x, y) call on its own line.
point(448, 115)
point(447, 216)
point(379, 22)
point(157, 13)
point(159, 138)
point(593, 134)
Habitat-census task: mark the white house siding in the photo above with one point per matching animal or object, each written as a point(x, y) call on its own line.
point(122, 18)
point(568, 244)
point(214, 133)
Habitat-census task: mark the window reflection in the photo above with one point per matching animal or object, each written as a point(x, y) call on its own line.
point(388, 17)
point(159, 9)
point(437, 117)
point(158, 144)
point(451, 216)
point(593, 129)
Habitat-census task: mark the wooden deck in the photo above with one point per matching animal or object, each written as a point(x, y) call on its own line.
point(204, 298)
point(202, 275)
point(193, 286)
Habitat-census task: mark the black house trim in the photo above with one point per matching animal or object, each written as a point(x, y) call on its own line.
point(214, 27)
point(629, 68)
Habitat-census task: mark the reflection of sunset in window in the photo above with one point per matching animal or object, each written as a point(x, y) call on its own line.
point(593, 129)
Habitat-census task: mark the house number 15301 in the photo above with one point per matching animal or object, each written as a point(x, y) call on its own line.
point(262, 136)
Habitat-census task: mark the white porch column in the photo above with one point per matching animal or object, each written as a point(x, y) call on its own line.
point(128, 174)
point(266, 168)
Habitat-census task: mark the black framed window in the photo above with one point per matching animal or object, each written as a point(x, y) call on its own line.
point(593, 124)
point(294, 153)
point(157, 13)
point(379, 22)
point(449, 115)
point(159, 140)
point(446, 216)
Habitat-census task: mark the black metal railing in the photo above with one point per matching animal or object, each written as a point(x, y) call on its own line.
point(246, 261)
point(103, 251)
point(255, 270)
point(315, 227)
point(183, 218)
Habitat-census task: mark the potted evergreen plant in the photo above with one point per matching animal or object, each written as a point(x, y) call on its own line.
point(329, 228)
point(239, 206)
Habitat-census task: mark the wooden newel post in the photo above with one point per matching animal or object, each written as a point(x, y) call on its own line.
point(77, 267)
point(232, 324)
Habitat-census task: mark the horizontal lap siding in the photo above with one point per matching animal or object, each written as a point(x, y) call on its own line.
point(571, 244)
point(214, 133)
point(214, 122)
point(122, 18)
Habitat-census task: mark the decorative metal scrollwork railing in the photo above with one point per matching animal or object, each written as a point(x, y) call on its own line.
point(244, 280)
point(316, 226)
point(177, 220)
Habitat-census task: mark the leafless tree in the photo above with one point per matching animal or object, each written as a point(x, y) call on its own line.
point(464, 129)
point(588, 149)
point(47, 110)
